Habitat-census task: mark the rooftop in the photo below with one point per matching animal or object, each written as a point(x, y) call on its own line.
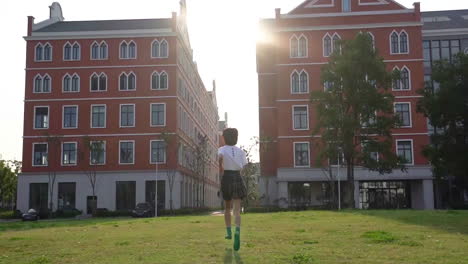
point(449, 19)
point(100, 25)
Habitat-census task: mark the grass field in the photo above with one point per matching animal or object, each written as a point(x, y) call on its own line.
point(285, 237)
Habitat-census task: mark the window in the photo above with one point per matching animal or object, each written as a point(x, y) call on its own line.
point(125, 195)
point(440, 49)
point(327, 86)
point(69, 153)
point(71, 84)
point(301, 154)
point(405, 150)
point(298, 46)
point(369, 120)
point(41, 117)
point(427, 53)
point(98, 82)
point(346, 5)
point(127, 152)
point(42, 84)
point(158, 151)
point(66, 195)
point(159, 81)
point(373, 154)
point(299, 82)
point(158, 114)
point(127, 115)
point(155, 51)
point(128, 50)
point(40, 154)
point(127, 82)
point(164, 52)
point(159, 49)
point(71, 52)
point(300, 117)
point(327, 45)
point(97, 153)
point(99, 51)
point(336, 43)
point(98, 116)
point(43, 52)
point(402, 110)
point(67, 51)
point(404, 83)
point(70, 116)
point(76, 52)
point(399, 42)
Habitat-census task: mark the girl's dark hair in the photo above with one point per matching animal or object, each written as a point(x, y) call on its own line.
point(230, 136)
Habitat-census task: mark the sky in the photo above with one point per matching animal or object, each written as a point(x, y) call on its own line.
point(222, 34)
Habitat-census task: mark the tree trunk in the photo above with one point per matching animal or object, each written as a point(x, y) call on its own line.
point(350, 173)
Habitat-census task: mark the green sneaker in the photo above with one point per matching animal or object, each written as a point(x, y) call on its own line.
point(228, 233)
point(237, 239)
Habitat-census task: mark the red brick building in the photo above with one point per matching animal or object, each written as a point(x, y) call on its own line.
point(289, 64)
point(126, 85)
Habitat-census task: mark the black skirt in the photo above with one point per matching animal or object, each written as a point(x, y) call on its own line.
point(232, 186)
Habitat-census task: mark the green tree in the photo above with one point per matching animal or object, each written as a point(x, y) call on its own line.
point(355, 111)
point(446, 107)
point(8, 182)
point(250, 173)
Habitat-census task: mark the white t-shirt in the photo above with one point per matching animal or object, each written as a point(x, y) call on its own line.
point(233, 158)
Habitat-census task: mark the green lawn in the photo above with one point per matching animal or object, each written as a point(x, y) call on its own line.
point(286, 237)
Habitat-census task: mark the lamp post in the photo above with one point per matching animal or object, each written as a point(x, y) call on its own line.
point(156, 191)
point(339, 182)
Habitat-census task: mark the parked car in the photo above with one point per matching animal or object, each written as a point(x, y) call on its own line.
point(143, 210)
point(31, 215)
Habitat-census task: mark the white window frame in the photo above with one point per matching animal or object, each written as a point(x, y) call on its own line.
point(399, 48)
point(151, 152)
point(71, 51)
point(43, 52)
point(120, 115)
point(409, 80)
point(128, 54)
point(323, 44)
point(151, 114)
point(412, 150)
point(99, 76)
point(91, 116)
point(99, 50)
point(48, 115)
point(126, 141)
point(47, 147)
point(160, 49)
point(35, 52)
point(159, 84)
point(127, 75)
point(363, 145)
point(292, 115)
point(71, 83)
point(299, 76)
point(63, 116)
point(105, 151)
point(294, 154)
point(410, 114)
point(61, 155)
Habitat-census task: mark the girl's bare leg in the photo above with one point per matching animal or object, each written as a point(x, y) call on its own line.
point(227, 212)
point(236, 211)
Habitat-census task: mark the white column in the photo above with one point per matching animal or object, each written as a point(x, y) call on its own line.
point(428, 194)
point(282, 194)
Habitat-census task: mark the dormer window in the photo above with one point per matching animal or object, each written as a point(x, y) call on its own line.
point(128, 50)
point(43, 52)
point(71, 52)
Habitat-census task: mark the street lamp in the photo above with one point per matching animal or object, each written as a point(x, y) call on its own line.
point(339, 182)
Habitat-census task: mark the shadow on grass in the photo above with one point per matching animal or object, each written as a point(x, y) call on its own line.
point(450, 221)
point(232, 257)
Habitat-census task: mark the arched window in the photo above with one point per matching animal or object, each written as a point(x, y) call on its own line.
point(47, 52)
point(95, 51)
point(123, 82)
point(164, 49)
point(98, 82)
point(372, 39)
point(39, 52)
point(327, 46)
point(155, 81)
point(67, 51)
point(123, 50)
point(155, 49)
point(293, 47)
point(38, 84)
point(75, 87)
point(302, 46)
point(76, 52)
point(94, 82)
point(66, 86)
point(46, 84)
point(102, 82)
point(163, 81)
point(405, 79)
point(103, 51)
point(132, 50)
point(336, 43)
point(395, 43)
point(304, 87)
point(295, 82)
point(403, 42)
point(396, 85)
point(131, 81)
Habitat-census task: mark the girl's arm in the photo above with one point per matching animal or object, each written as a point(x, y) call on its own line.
point(221, 168)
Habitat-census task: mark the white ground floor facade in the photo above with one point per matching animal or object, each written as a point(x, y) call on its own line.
point(113, 191)
point(411, 189)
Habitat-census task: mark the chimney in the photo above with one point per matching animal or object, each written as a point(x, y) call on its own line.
point(277, 13)
point(417, 9)
point(30, 25)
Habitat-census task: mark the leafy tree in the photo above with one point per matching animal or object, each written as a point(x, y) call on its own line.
point(53, 158)
point(446, 107)
point(355, 111)
point(171, 174)
point(250, 173)
point(200, 162)
point(8, 182)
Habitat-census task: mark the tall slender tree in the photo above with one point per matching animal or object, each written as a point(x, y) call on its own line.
point(355, 110)
point(53, 158)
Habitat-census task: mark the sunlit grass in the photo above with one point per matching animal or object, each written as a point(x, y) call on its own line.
point(285, 237)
